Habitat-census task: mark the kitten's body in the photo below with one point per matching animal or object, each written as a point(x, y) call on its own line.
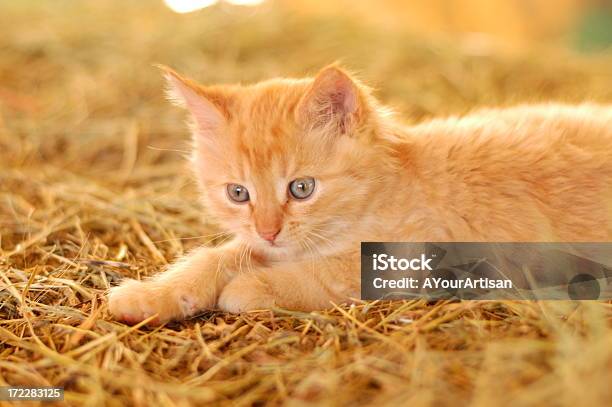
point(530, 173)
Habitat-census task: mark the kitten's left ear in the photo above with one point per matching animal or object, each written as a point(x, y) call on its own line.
point(333, 101)
point(209, 108)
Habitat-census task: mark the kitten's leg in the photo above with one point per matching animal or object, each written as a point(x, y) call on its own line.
point(188, 286)
point(304, 286)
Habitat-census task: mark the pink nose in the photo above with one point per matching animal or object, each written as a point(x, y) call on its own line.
point(269, 235)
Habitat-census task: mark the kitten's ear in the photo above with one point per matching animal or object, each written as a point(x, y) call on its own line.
point(332, 101)
point(208, 108)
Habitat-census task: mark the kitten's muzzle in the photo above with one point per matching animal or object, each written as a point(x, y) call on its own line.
point(269, 235)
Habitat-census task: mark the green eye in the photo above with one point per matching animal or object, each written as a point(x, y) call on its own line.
point(237, 193)
point(302, 188)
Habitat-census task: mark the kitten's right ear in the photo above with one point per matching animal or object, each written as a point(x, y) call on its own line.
point(208, 109)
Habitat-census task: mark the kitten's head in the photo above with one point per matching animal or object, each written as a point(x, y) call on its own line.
point(286, 165)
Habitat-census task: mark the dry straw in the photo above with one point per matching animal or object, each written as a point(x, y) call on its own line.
point(93, 188)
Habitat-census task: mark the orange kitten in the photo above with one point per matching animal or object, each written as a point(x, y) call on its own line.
point(302, 171)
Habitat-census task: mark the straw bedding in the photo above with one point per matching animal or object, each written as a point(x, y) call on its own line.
point(94, 188)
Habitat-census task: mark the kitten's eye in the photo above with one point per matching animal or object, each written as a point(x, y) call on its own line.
point(302, 188)
point(237, 193)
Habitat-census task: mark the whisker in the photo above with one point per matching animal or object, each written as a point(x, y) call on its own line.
point(312, 257)
point(172, 150)
point(315, 234)
point(250, 259)
point(242, 251)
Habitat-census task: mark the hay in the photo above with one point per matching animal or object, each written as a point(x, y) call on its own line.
point(94, 188)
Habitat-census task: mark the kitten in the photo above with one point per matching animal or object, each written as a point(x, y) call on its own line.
point(302, 171)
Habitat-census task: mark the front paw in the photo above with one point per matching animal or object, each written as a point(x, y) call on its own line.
point(242, 295)
point(134, 301)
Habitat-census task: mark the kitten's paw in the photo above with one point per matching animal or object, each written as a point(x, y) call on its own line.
point(240, 296)
point(134, 301)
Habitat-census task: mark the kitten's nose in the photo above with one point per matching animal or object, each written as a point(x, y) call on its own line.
point(269, 235)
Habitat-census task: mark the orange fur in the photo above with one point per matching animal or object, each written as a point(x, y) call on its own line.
point(529, 173)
